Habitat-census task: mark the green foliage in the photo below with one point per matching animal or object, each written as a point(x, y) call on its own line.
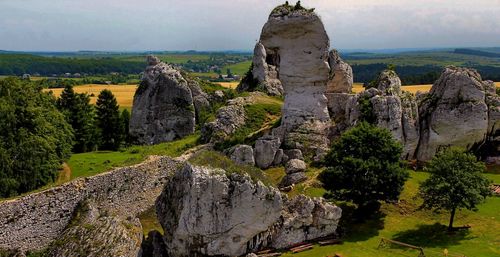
point(217, 160)
point(391, 67)
point(256, 116)
point(125, 120)
point(366, 110)
point(80, 115)
point(108, 121)
point(364, 166)
point(456, 182)
point(34, 138)
point(248, 82)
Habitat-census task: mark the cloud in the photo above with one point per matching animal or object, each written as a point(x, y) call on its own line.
point(236, 24)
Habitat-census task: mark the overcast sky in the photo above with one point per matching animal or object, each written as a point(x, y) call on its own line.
point(67, 25)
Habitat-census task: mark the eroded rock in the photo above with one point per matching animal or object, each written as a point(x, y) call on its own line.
point(242, 154)
point(163, 108)
point(341, 76)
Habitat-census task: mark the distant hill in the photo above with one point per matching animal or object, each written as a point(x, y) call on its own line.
point(476, 52)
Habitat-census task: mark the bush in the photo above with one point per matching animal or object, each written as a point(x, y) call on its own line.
point(364, 167)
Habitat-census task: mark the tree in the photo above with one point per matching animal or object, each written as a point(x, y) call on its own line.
point(108, 121)
point(80, 115)
point(364, 167)
point(455, 182)
point(34, 140)
point(125, 120)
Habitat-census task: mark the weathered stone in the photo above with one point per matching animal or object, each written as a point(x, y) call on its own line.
point(265, 151)
point(296, 43)
point(341, 77)
point(96, 234)
point(242, 154)
point(153, 245)
point(41, 217)
point(294, 154)
point(206, 212)
point(389, 83)
point(203, 211)
point(454, 113)
point(163, 108)
point(293, 178)
point(278, 158)
point(294, 166)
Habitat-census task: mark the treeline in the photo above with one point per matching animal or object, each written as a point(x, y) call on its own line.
point(18, 64)
point(40, 132)
point(415, 75)
point(476, 52)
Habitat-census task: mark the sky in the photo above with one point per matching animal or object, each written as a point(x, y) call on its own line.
point(143, 25)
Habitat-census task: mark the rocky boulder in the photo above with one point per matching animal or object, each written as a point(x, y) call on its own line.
point(341, 76)
point(454, 113)
point(163, 108)
point(265, 151)
point(206, 212)
point(294, 166)
point(242, 154)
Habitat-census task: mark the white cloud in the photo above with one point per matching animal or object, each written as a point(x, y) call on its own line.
point(236, 24)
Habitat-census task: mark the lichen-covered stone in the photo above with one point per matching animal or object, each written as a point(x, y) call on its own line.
point(341, 76)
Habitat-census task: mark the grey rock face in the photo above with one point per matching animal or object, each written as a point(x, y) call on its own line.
point(242, 154)
point(341, 77)
point(294, 154)
point(294, 166)
point(389, 83)
point(454, 113)
point(265, 151)
point(295, 42)
point(95, 234)
point(208, 213)
point(163, 108)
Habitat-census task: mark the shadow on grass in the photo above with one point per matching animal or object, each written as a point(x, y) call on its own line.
point(354, 228)
point(435, 235)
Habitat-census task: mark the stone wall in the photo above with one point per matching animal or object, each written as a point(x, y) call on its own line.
point(33, 221)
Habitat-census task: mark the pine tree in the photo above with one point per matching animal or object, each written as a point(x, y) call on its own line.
point(108, 121)
point(125, 119)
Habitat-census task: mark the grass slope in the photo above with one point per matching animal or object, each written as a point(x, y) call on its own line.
point(405, 222)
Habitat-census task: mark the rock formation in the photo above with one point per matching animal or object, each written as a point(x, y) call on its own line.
point(94, 233)
point(295, 44)
point(455, 112)
point(163, 108)
point(206, 212)
point(341, 77)
point(242, 154)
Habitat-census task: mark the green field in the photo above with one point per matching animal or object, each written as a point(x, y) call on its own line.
point(92, 163)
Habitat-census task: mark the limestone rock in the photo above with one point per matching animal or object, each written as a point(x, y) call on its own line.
point(265, 151)
point(278, 157)
point(292, 178)
point(242, 154)
point(296, 42)
point(228, 119)
point(94, 234)
point(294, 166)
point(454, 113)
point(389, 83)
point(294, 154)
point(206, 212)
point(320, 217)
point(341, 76)
point(163, 108)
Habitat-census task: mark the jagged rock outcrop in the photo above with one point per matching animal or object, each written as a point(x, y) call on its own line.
point(341, 76)
point(265, 151)
point(455, 113)
point(163, 108)
point(296, 43)
point(94, 233)
point(206, 212)
point(228, 119)
point(263, 74)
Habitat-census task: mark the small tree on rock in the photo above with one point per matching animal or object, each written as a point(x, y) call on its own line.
point(455, 182)
point(364, 167)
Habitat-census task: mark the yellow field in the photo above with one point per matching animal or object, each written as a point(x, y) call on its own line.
point(231, 85)
point(124, 93)
point(358, 87)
